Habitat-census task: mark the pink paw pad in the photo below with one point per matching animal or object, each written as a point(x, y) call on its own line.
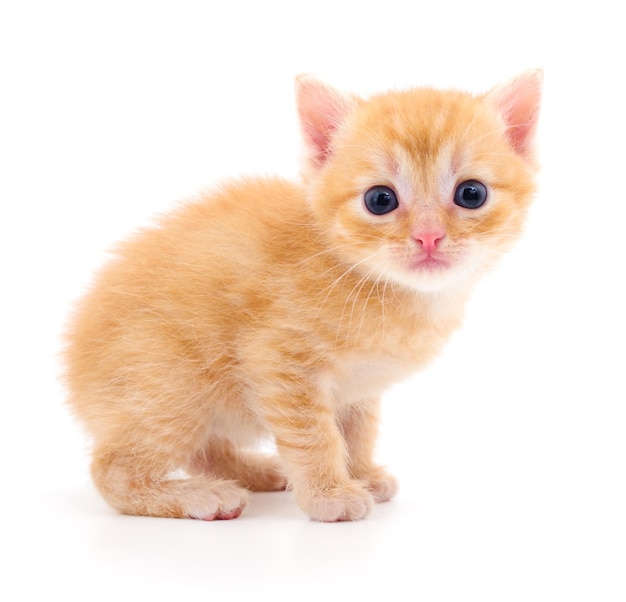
point(223, 515)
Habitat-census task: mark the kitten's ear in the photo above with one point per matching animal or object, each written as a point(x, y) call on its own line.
point(321, 110)
point(518, 102)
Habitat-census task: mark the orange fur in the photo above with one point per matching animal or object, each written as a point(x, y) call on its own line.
point(285, 309)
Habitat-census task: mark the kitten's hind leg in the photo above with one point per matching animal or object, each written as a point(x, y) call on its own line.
point(138, 485)
point(255, 471)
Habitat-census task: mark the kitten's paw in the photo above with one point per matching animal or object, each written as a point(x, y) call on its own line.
point(349, 501)
point(223, 500)
point(382, 484)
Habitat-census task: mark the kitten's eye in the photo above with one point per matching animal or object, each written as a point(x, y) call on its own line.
point(470, 194)
point(380, 200)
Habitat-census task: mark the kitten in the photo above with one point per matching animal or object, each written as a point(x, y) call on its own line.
point(279, 308)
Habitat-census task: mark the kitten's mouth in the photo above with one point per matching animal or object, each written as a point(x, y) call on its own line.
point(429, 263)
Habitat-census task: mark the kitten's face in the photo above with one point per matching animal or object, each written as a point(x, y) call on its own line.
point(424, 188)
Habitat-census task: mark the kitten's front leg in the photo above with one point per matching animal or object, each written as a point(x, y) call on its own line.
point(359, 426)
point(309, 441)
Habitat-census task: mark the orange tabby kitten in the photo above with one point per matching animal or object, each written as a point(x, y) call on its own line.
point(281, 308)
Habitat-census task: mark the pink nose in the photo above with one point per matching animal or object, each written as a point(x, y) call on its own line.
point(429, 239)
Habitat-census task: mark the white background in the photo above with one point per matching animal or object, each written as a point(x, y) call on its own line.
point(510, 450)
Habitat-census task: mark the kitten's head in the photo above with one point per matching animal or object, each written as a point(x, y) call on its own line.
point(423, 187)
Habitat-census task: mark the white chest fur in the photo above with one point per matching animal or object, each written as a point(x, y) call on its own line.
point(402, 351)
point(361, 379)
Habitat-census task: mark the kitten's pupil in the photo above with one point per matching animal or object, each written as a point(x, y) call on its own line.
point(471, 194)
point(380, 200)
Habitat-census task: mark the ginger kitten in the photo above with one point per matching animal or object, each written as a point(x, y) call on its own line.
point(285, 309)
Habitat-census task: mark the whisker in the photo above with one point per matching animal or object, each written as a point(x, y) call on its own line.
point(364, 311)
point(337, 280)
point(354, 295)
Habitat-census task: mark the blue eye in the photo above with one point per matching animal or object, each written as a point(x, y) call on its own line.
point(470, 194)
point(380, 200)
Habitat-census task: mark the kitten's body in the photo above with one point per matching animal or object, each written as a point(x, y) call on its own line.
point(285, 309)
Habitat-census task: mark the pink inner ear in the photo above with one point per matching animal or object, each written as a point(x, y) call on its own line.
point(518, 102)
point(321, 110)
